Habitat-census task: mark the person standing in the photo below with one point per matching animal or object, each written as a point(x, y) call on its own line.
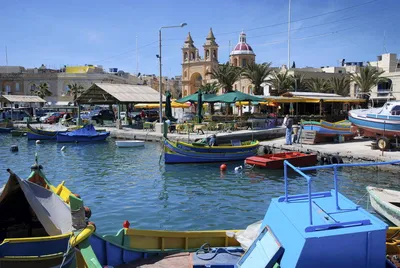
point(289, 129)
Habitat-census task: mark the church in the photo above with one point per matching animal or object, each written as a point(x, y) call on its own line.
point(195, 69)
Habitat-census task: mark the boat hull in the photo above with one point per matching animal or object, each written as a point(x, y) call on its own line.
point(382, 201)
point(39, 134)
point(175, 155)
point(64, 137)
point(275, 161)
point(372, 127)
point(126, 144)
point(130, 245)
point(5, 129)
point(327, 129)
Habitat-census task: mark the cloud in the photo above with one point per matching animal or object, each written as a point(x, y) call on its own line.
point(92, 36)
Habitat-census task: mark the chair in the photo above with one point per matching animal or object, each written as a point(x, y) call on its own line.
point(236, 142)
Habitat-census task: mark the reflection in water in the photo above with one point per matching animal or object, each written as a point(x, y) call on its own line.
point(129, 184)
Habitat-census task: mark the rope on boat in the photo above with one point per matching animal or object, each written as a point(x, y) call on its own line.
point(206, 248)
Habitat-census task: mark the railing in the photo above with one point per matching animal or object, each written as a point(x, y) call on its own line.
point(310, 195)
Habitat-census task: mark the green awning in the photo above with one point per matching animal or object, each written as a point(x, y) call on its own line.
point(235, 96)
point(194, 97)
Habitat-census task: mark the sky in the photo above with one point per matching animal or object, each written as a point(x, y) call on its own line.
point(107, 33)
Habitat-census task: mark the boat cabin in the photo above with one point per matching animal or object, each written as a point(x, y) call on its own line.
point(391, 108)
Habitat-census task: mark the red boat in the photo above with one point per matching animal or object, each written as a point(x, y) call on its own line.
point(275, 161)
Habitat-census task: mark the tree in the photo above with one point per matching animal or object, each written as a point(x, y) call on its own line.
point(368, 78)
point(280, 82)
point(209, 88)
point(75, 90)
point(318, 85)
point(257, 74)
point(226, 76)
point(298, 82)
point(42, 90)
point(340, 86)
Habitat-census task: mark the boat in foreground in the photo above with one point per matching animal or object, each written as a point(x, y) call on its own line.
point(85, 134)
point(275, 161)
point(294, 230)
point(182, 152)
point(35, 224)
point(386, 202)
point(129, 143)
point(375, 122)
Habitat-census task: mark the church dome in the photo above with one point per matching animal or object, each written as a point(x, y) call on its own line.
point(242, 48)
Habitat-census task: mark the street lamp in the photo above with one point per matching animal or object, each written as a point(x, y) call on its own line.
point(159, 58)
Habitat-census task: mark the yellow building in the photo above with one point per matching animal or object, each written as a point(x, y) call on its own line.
point(195, 70)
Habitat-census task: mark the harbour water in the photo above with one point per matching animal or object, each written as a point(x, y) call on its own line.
point(131, 184)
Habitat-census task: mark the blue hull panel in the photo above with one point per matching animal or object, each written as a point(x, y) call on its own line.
point(326, 131)
point(33, 136)
point(62, 137)
point(376, 125)
point(5, 129)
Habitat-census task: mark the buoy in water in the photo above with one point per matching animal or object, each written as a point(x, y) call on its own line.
point(37, 141)
point(88, 212)
point(238, 169)
point(63, 148)
point(126, 224)
point(14, 148)
point(222, 167)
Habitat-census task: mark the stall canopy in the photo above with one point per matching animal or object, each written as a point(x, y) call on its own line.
point(315, 97)
point(105, 93)
point(194, 98)
point(21, 99)
point(234, 96)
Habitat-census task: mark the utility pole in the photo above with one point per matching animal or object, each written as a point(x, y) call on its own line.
point(137, 57)
point(289, 19)
point(6, 60)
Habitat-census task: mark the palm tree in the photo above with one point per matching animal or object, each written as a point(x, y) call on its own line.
point(299, 84)
point(340, 86)
point(75, 90)
point(280, 82)
point(42, 91)
point(257, 74)
point(226, 76)
point(318, 85)
point(368, 78)
point(209, 88)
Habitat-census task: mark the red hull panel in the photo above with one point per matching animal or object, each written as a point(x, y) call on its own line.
point(275, 161)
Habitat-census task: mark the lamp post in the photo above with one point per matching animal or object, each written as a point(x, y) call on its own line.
point(159, 58)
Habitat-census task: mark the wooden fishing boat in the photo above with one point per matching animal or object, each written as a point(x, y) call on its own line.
point(35, 224)
point(275, 161)
point(386, 202)
point(5, 129)
point(18, 132)
point(85, 134)
point(40, 134)
point(181, 152)
point(294, 228)
point(326, 129)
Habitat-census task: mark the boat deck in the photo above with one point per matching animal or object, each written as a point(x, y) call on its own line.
point(178, 260)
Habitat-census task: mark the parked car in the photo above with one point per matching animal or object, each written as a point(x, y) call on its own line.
point(122, 115)
point(47, 115)
point(188, 117)
point(102, 115)
point(150, 116)
point(54, 118)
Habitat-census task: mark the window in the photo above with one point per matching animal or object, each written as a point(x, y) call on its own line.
point(185, 56)
point(17, 87)
point(214, 54)
point(8, 89)
point(207, 54)
point(33, 87)
point(243, 62)
point(396, 110)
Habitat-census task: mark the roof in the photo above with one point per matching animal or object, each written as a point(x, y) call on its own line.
point(21, 98)
point(105, 93)
point(242, 47)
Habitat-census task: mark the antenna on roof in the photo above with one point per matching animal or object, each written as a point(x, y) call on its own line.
point(384, 41)
point(6, 60)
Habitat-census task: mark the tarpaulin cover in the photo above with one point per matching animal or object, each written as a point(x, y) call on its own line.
point(87, 131)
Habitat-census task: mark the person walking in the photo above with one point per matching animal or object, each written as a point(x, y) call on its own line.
point(289, 129)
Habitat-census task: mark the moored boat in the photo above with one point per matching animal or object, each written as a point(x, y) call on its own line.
point(6, 129)
point(40, 134)
point(383, 121)
point(129, 143)
point(386, 202)
point(181, 152)
point(275, 161)
point(86, 134)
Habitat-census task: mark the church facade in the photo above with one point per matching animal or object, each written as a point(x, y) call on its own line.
point(195, 69)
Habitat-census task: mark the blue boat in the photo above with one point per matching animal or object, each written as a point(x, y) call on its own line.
point(40, 134)
point(315, 229)
point(376, 122)
point(326, 129)
point(86, 134)
point(5, 129)
point(181, 152)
